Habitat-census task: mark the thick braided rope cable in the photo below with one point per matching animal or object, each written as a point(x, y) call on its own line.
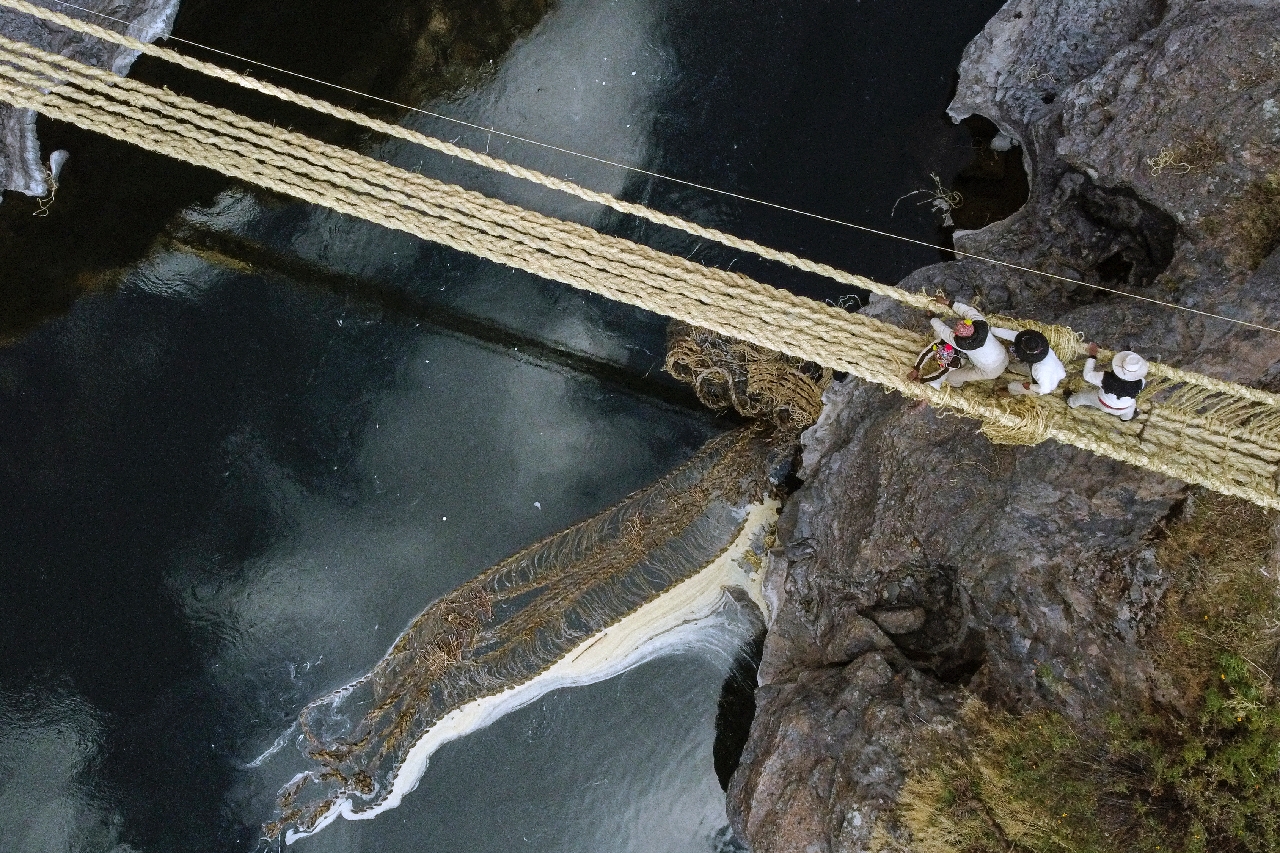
point(281, 141)
point(728, 285)
point(1067, 342)
point(763, 300)
point(724, 302)
point(476, 158)
point(917, 300)
point(551, 182)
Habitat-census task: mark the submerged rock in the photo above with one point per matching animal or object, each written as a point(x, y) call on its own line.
point(1028, 573)
point(21, 166)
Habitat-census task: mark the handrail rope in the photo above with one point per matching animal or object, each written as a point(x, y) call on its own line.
point(111, 84)
point(486, 161)
point(1260, 396)
point(915, 300)
point(753, 299)
point(473, 157)
point(729, 303)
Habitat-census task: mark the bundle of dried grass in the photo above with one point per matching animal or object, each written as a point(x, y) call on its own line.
point(755, 382)
point(516, 620)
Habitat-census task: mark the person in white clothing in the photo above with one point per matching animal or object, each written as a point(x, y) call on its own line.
point(1118, 388)
point(972, 335)
point(1034, 356)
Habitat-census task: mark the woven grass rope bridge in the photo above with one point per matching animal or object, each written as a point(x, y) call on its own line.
point(1201, 430)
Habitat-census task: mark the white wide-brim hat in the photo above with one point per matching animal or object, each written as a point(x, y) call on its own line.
point(1129, 366)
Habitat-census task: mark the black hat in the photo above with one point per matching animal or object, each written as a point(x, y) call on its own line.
point(1030, 346)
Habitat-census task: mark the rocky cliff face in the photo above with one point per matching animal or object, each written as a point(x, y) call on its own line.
point(21, 166)
point(919, 561)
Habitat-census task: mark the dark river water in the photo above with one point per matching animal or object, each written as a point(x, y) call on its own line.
point(230, 479)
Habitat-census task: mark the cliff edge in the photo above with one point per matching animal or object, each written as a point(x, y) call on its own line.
point(933, 592)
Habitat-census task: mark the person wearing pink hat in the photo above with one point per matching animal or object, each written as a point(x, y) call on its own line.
point(1117, 388)
point(984, 354)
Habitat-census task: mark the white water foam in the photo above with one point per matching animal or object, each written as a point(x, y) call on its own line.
point(671, 622)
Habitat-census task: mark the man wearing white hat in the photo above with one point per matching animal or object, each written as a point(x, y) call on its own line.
point(1118, 388)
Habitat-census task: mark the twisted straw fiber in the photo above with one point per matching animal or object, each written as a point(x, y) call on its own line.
point(1235, 453)
point(474, 157)
point(1064, 341)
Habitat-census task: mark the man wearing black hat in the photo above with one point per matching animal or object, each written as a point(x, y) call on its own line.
point(973, 337)
point(1031, 349)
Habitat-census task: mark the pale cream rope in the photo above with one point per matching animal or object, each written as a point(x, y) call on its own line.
point(287, 143)
point(728, 303)
point(554, 183)
point(729, 240)
point(765, 299)
point(1064, 340)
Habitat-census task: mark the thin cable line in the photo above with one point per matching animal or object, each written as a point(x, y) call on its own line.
point(691, 184)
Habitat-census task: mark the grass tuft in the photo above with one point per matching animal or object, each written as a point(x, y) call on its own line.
point(1257, 217)
point(1200, 774)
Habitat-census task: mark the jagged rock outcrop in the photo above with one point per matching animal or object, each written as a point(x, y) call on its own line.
point(21, 166)
point(1032, 566)
point(1188, 119)
point(836, 735)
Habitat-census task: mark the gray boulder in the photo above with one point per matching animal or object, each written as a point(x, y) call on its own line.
point(22, 168)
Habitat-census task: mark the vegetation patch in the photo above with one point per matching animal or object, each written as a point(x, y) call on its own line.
point(1199, 773)
point(1200, 154)
point(1257, 218)
point(1019, 784)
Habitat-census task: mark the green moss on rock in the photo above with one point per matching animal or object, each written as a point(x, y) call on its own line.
point(1201, 773)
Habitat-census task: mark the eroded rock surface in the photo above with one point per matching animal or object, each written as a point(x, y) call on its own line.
point(825, 762)
point(21, 166)
point(1188, 118)
point(1033, 567)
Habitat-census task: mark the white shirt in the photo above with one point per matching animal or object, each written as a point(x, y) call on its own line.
point(988, 360)
point(1093, 376)
point(1047, 372)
